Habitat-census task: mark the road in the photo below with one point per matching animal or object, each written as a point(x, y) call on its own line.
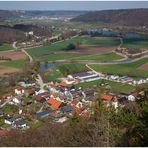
point(2, 105)
point(30, 57)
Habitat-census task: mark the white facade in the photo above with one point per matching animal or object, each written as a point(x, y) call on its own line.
point(19, 92)
point(131, 98)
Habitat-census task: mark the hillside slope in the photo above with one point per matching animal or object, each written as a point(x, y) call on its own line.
point(124, 17)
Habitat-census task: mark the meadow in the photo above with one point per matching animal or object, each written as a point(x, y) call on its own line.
point(130, 69)
point(5, 47)
point(135, 43)
point(115, 86)
point(55, 51)
point(14, 64)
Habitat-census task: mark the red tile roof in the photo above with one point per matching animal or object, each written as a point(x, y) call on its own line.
point(19, 88)
point(3, 133)
point(38, 98)
point(55, 104)
point(74, 102)
point(106, 97)
point(63, 84)
point(30, 91)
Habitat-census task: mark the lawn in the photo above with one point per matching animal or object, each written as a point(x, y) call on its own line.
point(101, 57)
point(70, 68)
point(5, 47)
point(10, 109)
point(50, 51)
point(130, 69)
point(115, 86)
point(135, 43)
point(53, 74)
point(14, 63)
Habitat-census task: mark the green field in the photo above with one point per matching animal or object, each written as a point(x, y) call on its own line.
point(135, 43)
point(130, 69)
point(115, 86)
point(70, 68)
point(15, 63)
point(101, 57)
point(55, 51)
point(53, 74)
point(5, 47)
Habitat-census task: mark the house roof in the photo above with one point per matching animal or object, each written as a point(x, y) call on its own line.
point(66, 108)
point(77, 110)
point(19, 123)
point(74, 102)
point(3, 133)
point(55, 104)
point(30, 91)
point(106, 97)
point(44, 113)
point(19, 88)
point(38, 98)
point(55, 95)
point(63, 84)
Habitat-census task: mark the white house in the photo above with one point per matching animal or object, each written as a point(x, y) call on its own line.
point(131, 98)
point(20, 124)
point(19, 90)
point(16, 100)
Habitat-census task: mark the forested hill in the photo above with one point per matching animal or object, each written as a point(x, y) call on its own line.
point(123, 17)
point(7, 14)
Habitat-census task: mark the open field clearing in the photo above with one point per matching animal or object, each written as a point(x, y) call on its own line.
point(70, 68)
point(13, 55)
point(115, 86)
point(50, 51)
point(14, 64)
point(144, 67)
point(5, 47)
point(135, 43)
point(5, 69)
point(130, 69)
point(101, 57)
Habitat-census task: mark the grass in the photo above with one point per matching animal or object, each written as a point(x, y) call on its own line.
point(14, 63)
point(115, 86)
point(50, 51)
point(101, 57)
point(135, 43)
point(70, 68)
point(130, 69)
point(53, 75)
point(10, 109)
point(5, 47)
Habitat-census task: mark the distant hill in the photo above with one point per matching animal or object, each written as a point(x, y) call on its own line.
point(6, 14)
point(124, 17)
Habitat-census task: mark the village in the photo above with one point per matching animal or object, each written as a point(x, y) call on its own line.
point(33, 101)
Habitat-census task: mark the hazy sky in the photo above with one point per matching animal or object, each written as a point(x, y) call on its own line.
point(71, 5)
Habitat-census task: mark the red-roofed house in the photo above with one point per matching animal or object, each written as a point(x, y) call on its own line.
point(63, 84)
point(30, 92)
point(54, 104)
point(19, 90)
point(3, 133)
point(106, 97)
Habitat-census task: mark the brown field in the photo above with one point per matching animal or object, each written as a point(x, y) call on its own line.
point(144, 67)
point(14, 55)
point(7, 70)
point(88, 49)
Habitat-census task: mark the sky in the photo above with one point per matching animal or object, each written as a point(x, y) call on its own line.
point(71, 5)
